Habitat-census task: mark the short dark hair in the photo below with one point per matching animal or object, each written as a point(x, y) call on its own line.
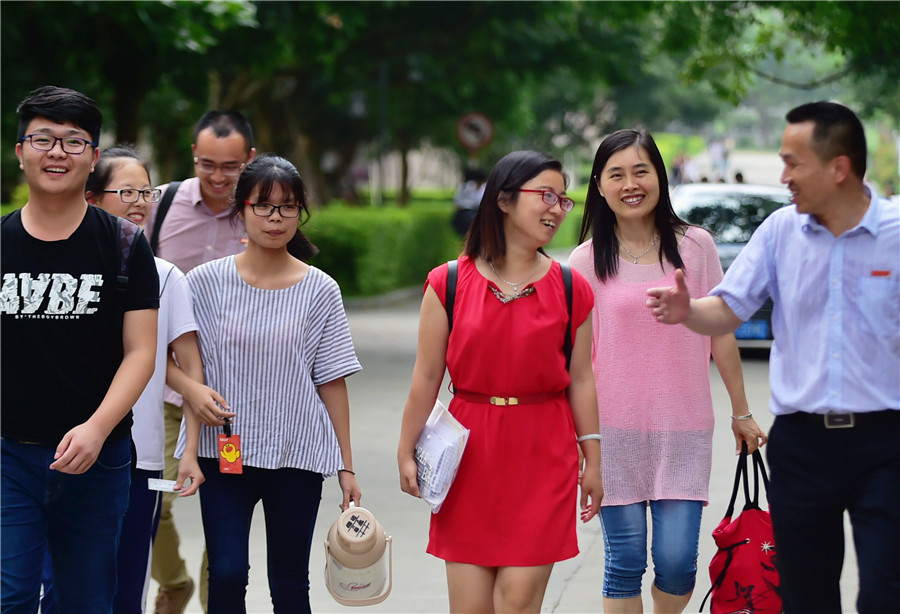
point(264, 173)
point(599, 221)
point(485, 237)
point(107, 163)
point(223, 122)
point(60, 104)
point(837, 132)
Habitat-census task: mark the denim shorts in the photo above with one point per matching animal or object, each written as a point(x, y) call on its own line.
point(676, 536)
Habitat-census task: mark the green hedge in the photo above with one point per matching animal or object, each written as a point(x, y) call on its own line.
point(370, 251)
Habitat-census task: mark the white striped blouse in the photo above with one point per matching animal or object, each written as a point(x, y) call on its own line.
point(266, 351)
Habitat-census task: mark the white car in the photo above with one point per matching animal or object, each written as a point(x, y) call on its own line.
point(731, 212)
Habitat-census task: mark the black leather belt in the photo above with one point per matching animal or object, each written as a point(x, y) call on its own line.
point(846, 420)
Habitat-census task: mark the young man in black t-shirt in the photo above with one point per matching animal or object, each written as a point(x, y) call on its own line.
point(77, 352)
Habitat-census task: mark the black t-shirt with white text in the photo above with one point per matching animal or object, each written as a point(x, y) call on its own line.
point(61, 317)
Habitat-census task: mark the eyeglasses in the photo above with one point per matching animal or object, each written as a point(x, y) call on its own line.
point(551, 198)
point(229, 169)
point(131, 195)
point(46, 142)
point(267, 209)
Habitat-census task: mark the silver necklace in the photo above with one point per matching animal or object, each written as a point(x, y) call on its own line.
point(515, 284)
point(644, 253)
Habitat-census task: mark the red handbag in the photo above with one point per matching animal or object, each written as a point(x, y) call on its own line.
point(743, 574)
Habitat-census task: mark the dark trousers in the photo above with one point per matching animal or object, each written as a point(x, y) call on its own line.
point(290, 499)
point(817, 474)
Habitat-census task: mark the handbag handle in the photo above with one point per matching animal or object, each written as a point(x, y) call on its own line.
point(741, 477)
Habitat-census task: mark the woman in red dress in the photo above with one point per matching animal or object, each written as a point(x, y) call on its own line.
point(510, 514)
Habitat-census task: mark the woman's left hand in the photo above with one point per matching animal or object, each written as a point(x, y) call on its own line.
point(350, 488)
point(749, 431)
point(188, 468)
point(591, 480)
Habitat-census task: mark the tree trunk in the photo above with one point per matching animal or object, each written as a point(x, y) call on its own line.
point(403, 197)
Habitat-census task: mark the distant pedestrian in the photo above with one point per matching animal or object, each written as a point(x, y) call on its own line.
point(509, 516)
point(276, 343)
point(467, 199)
point(830, 265)
point(653, 390)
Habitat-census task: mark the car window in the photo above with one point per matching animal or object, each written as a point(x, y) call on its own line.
point(732, 217)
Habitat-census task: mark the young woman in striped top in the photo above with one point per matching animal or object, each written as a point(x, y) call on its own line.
point(275, 342)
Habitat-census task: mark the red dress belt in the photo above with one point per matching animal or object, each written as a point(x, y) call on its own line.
point(528, 399)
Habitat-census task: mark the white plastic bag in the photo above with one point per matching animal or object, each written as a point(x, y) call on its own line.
point(438, 453)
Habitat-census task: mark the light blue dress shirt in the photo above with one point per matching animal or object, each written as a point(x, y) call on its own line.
point(836, 319)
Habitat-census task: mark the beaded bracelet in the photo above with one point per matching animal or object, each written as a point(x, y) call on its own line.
point(746, 416)
point(596, 436)
point(347, 471)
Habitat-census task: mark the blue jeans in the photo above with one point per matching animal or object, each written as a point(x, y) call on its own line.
point(290, 499)
point(135, 541)
point(138, 531)
point(76, 517)
point(676, 537)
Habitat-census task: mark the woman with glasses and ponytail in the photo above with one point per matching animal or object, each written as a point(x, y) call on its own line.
point(120, 184)
point(276, 343)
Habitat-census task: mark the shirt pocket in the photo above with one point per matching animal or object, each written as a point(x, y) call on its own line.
point(878, 307)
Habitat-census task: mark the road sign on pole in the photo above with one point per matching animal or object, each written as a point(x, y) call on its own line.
point(474, 131)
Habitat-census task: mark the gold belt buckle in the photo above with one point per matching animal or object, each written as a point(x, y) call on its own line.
point(503, 401)
point(835, 420)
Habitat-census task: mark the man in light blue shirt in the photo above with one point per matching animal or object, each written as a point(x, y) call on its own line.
point(831, 265)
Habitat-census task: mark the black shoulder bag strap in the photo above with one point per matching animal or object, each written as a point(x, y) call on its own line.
point(451, 292)
point(567, 284)
point(161, 212)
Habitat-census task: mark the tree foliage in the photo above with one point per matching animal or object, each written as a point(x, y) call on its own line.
point(322, 81)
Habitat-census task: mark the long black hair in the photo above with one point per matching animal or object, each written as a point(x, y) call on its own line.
point(599, 221)
point(485, 237)
point(265, 172)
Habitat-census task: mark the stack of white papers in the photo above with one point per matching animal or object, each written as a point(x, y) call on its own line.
point(438, 452)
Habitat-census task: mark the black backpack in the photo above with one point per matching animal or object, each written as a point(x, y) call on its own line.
point(452, 266)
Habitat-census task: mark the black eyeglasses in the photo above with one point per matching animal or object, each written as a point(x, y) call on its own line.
point(131, 195)
point(46, 142)
point(550, 198)
point(267, 209)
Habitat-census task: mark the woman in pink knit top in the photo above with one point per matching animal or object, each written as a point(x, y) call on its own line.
point(652, 381)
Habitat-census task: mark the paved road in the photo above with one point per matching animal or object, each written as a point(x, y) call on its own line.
point(385, 338)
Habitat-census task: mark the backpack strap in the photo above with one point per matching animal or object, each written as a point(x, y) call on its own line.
point(128, 233)
point(567, 284)
point(452, 266)
point(161, 212)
